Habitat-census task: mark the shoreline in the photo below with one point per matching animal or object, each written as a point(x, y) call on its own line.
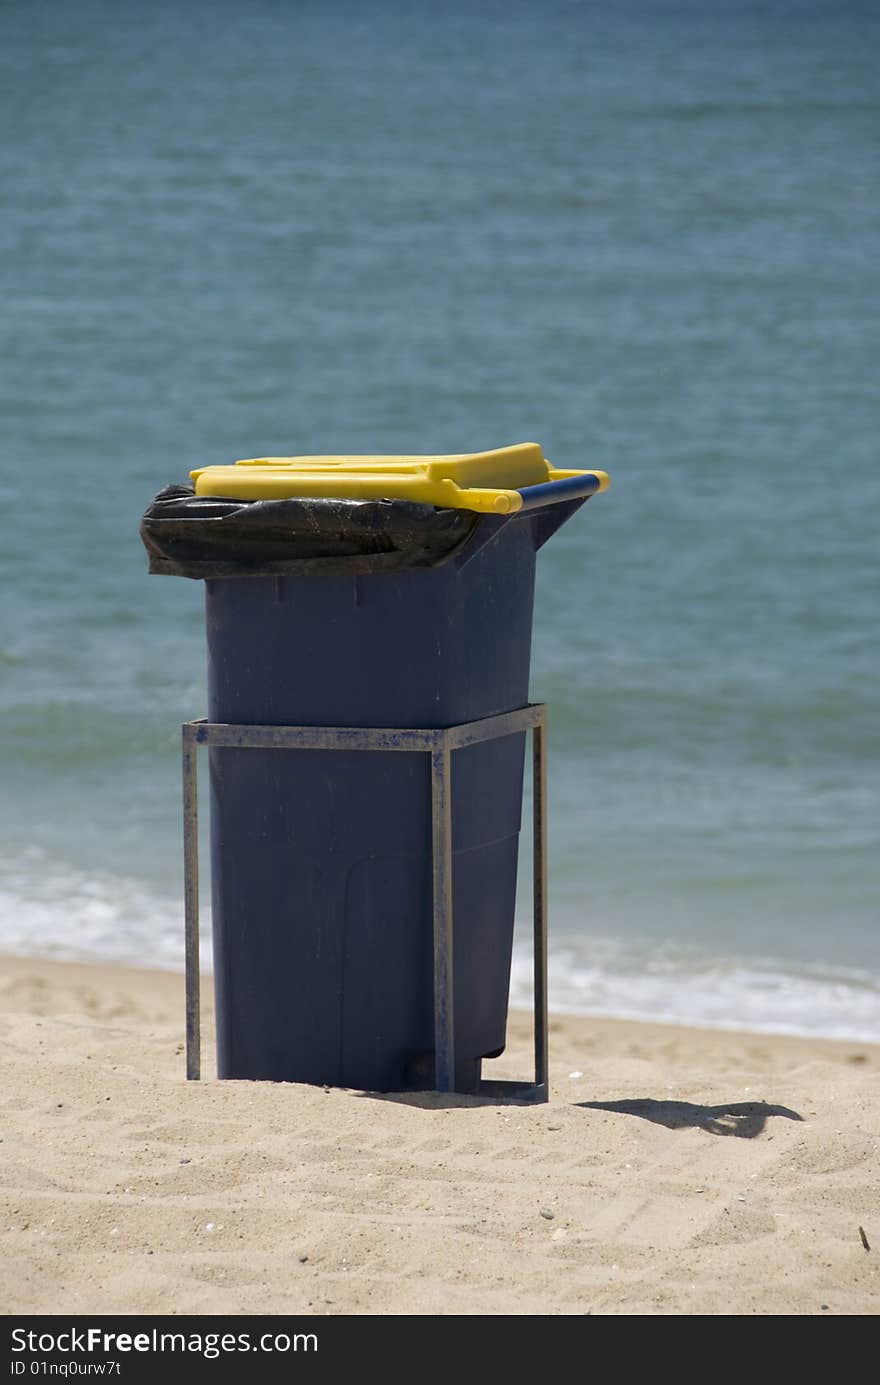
point(126, 1189)
point(168, 981)
point(519, 986)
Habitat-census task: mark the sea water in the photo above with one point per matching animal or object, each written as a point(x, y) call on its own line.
point(643, 234)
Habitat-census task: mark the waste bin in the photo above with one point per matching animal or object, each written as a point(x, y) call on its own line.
point(368, 609)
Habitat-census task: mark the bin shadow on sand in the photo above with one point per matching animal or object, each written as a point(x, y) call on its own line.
point(746, 1119)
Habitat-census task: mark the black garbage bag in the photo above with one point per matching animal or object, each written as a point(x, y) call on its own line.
point(205, 536)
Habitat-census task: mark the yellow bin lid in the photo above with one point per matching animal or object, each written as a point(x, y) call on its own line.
point(490, 482)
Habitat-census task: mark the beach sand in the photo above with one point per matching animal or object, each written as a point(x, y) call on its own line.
point(673, 1171)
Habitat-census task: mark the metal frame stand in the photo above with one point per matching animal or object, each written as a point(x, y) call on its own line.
point(439, 745)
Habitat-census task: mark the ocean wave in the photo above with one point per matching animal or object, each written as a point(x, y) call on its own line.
point(48, 909)
point(678, 985)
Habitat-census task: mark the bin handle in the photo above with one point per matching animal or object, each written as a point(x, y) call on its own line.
point(578, 487)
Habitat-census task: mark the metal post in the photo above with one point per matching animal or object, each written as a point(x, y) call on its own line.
point(191, 902)
point(441, 824)
point(539, 850)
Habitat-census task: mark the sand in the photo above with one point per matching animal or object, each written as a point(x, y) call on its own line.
point(673, 1171)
